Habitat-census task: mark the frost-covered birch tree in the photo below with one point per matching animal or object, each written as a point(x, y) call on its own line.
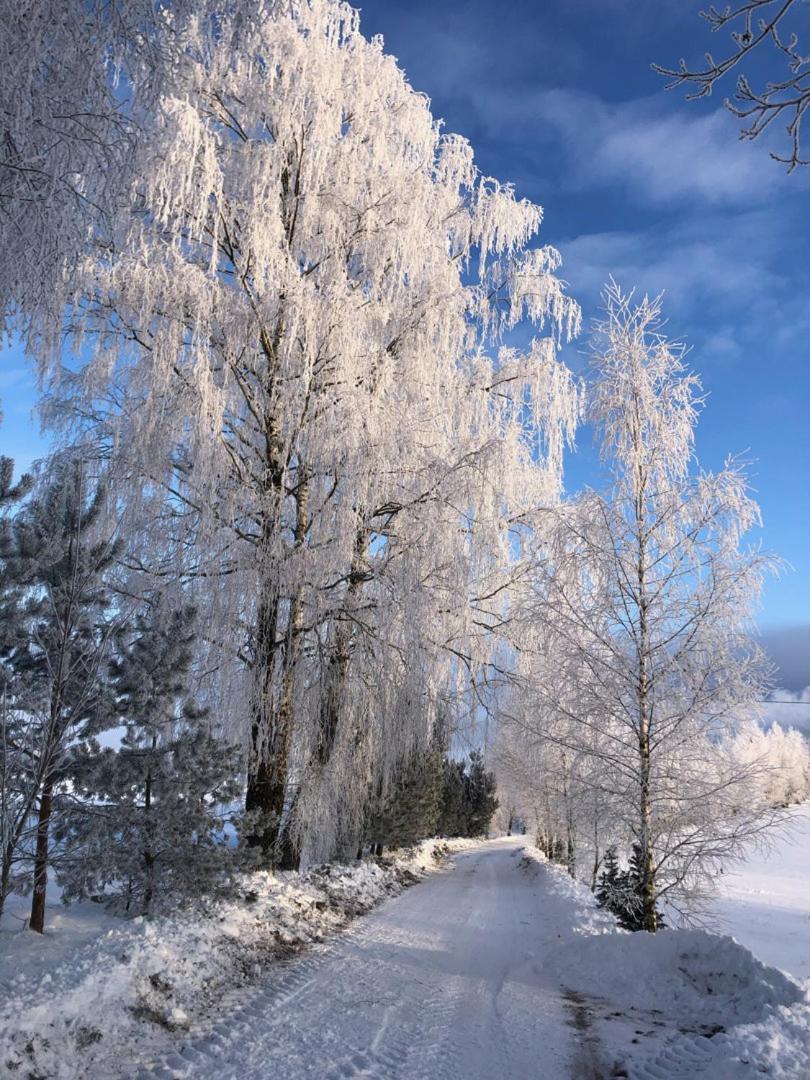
point(647, 592)
point(782, 759)
point(292, 341)
point(77, 78)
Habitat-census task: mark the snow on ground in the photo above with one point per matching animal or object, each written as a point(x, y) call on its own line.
point(73, 998)
point(36, 955)
point(447, 981)
point(681, 1003)
point(503, 967)
point(497, 966)
point(765, 902)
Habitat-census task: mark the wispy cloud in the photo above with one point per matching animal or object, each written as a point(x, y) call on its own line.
point(712, 264)
point(671, 156)
point(660, 152)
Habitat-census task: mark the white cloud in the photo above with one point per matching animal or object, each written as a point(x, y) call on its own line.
point(707, 265)
point(789, 710)
point(662, 151)
point(680, 157)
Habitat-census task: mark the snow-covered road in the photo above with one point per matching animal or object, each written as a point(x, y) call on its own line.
point(495, 966)
point(444, 981)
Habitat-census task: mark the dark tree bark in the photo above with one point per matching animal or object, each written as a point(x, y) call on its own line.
point(37, 922)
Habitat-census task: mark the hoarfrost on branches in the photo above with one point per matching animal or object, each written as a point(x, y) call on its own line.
point(635, 651)
point(291, 342)
point(753, 25)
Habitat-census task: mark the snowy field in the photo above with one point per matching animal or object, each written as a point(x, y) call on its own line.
point(765, 903)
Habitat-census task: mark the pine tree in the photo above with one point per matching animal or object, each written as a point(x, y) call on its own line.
point(409, 809)
point(453, 816)
point(622, 891)
point(609, 878)
point(57, 550)
point(612, 888)
point(481, 796)
point(636, 918)
point(155, 832)
point(16, 796)
point(468, 797)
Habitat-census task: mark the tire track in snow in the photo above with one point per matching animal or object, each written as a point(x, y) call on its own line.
point(680, 1056)
point(278, 1011)
point(445, 981)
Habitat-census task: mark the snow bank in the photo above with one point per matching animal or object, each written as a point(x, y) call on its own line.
point(588, 918)
point(142, 980)
point(696, 979)
point(778, 1047)
point(430, 853)
point(676, 1003)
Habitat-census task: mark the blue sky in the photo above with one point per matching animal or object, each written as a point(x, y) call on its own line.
point(558, 97)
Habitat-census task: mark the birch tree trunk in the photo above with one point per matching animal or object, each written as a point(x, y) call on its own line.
point(340, 656)
point(648, 910)
point(335, 678)
point(270, 737)
point(273, 725)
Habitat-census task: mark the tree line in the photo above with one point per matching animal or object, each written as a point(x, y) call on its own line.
point(640, 679)
point(305, 524)
point(271, 313)
point(113, 776)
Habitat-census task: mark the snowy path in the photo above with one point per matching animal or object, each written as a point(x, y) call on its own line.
point(496, 966)
point(444, 981)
